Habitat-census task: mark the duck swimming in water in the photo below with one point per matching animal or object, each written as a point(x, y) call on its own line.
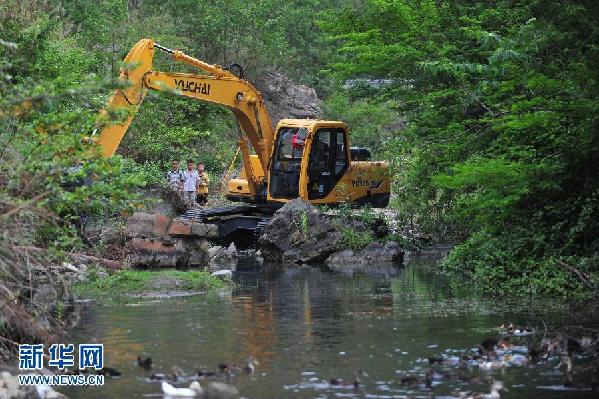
point(487, 347)
point(144, 363)
point(194, 390)
point(355, 383)
point(177, 374)
point(492, 365)
point(109, 372)
point(250, 367)
point(206, 373)
point(494, 394)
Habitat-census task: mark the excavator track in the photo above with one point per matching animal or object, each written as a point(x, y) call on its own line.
point(242, 224)
point(259, 229)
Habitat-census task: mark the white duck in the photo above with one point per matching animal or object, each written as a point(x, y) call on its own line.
point(492, 365)
point(494, 394)
point(47, 392)
point(194, 390)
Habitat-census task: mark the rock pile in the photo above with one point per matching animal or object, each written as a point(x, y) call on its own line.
point(300, 233)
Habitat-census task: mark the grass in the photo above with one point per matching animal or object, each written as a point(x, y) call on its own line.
point(356, 240)
point(125, 282)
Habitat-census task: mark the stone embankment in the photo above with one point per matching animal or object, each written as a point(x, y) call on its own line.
point(158, 241)
point(298, 233)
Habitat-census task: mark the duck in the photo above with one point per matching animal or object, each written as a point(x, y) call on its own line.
point(144, 363)
point(436, 360)
point(206, 373)
point(492, 365)
point(535, 354)
point(428, 378)
point(194, 390)
point(109, 372)
point(336, 381)
point(159, 377)
point(523, 331)
point(175, 376)
point(494, 394)
point(47, 392)
point(250, 367)
point(487, 347)
point(409, 380)
point(355, 383)
point(222, 367)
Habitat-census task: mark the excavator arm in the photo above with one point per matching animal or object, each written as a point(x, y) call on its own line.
point(217, 86)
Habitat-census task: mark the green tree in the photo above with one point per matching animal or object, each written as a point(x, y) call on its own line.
point(501, 141)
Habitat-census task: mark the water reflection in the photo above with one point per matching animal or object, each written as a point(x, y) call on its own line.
point(306, 325)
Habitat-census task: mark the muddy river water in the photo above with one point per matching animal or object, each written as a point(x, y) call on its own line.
point(306, 325)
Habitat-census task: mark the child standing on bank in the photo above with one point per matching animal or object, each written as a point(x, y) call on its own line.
point(174, 177)
point(190, 183)
point(204, 182)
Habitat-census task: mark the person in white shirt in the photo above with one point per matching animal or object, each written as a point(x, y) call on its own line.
point(191, 180)
point(174, 177)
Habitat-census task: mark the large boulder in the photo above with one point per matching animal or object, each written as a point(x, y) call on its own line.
point(374, 253)
point(171, 201)
point(299, 233)
point(286, 99)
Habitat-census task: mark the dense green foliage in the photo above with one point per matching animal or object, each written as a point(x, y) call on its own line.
point(502, 143)
point(488, 116)
point(49, 105)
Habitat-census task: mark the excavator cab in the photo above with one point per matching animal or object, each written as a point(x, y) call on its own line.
point(322, 151)
point(311, 159)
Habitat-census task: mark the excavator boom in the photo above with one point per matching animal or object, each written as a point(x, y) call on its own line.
point(216, 85)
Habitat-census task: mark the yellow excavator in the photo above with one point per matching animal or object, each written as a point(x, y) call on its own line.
point(302, 158)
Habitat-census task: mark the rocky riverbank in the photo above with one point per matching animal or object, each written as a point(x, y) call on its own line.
point(298, 233)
